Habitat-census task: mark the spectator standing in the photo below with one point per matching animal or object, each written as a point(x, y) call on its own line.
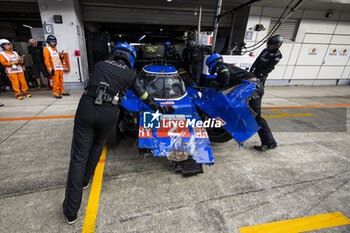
point(38, 61)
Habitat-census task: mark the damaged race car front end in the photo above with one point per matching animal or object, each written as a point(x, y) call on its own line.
point(175, 136)
point(201, 115)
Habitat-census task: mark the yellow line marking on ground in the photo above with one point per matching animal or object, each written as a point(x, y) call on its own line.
point(92, 207)
point(299, 224)
point(280, 112)
point(283, 114)
point(301, 114)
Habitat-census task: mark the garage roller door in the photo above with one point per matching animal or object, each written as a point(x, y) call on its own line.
point(148, 15)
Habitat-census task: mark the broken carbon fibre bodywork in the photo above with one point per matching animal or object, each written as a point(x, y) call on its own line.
point(172, 137)
point(230, 106)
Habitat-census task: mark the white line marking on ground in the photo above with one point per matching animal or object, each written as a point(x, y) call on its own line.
point(323, 147)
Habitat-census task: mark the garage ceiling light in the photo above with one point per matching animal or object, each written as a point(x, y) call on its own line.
point(27, 26)
point(169, 0)
point(142, 37)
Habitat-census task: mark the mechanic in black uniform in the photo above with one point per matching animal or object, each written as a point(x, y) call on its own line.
point(3, 78)
point(192, 57)
point(268, 59)
point(230, 75)
point(38, 61)
point(171, 54)
point(95, 117)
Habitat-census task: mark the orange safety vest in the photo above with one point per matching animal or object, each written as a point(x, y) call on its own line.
point(10, 58)
point(55, 58)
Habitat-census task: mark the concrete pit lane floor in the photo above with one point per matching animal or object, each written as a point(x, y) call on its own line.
point(305, 180)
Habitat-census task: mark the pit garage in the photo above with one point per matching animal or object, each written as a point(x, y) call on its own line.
point(300, 186)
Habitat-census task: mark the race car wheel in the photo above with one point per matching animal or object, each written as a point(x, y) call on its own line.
point(219, 135)
point(114, 136)
point(215, 134)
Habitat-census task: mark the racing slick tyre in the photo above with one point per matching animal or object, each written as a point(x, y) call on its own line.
point(215, 134)
point(219, 135)
point(115, 135)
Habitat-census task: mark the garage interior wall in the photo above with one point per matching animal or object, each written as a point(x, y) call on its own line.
point(319, 53)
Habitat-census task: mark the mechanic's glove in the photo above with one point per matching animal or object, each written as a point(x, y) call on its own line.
point(167, 109)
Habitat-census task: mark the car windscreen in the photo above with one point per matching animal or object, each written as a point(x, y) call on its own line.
point(166, 87)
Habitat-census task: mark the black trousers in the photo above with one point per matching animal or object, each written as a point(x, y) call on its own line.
point(37, 68)
point(92, 125)
point(4, 80)
point(265, 133)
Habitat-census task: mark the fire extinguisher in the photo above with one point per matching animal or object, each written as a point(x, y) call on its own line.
point(50, 82)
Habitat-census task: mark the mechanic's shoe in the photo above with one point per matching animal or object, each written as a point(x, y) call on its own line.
point(1, 105)
point(27, 95)
point(71, 220)
point(58, 96)
point(65, 94)
point(86, 184)
point(263, 147)
point(19, 97)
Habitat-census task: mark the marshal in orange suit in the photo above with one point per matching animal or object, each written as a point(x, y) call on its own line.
point(12, 62)
point(54, 65)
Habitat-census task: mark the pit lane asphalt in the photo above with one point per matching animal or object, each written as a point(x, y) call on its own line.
point(308, 174)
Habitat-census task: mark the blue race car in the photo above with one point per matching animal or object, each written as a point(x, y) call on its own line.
point(201, 115)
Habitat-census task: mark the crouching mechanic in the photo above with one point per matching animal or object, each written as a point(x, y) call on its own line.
point(230, 75)
point(97, 112)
